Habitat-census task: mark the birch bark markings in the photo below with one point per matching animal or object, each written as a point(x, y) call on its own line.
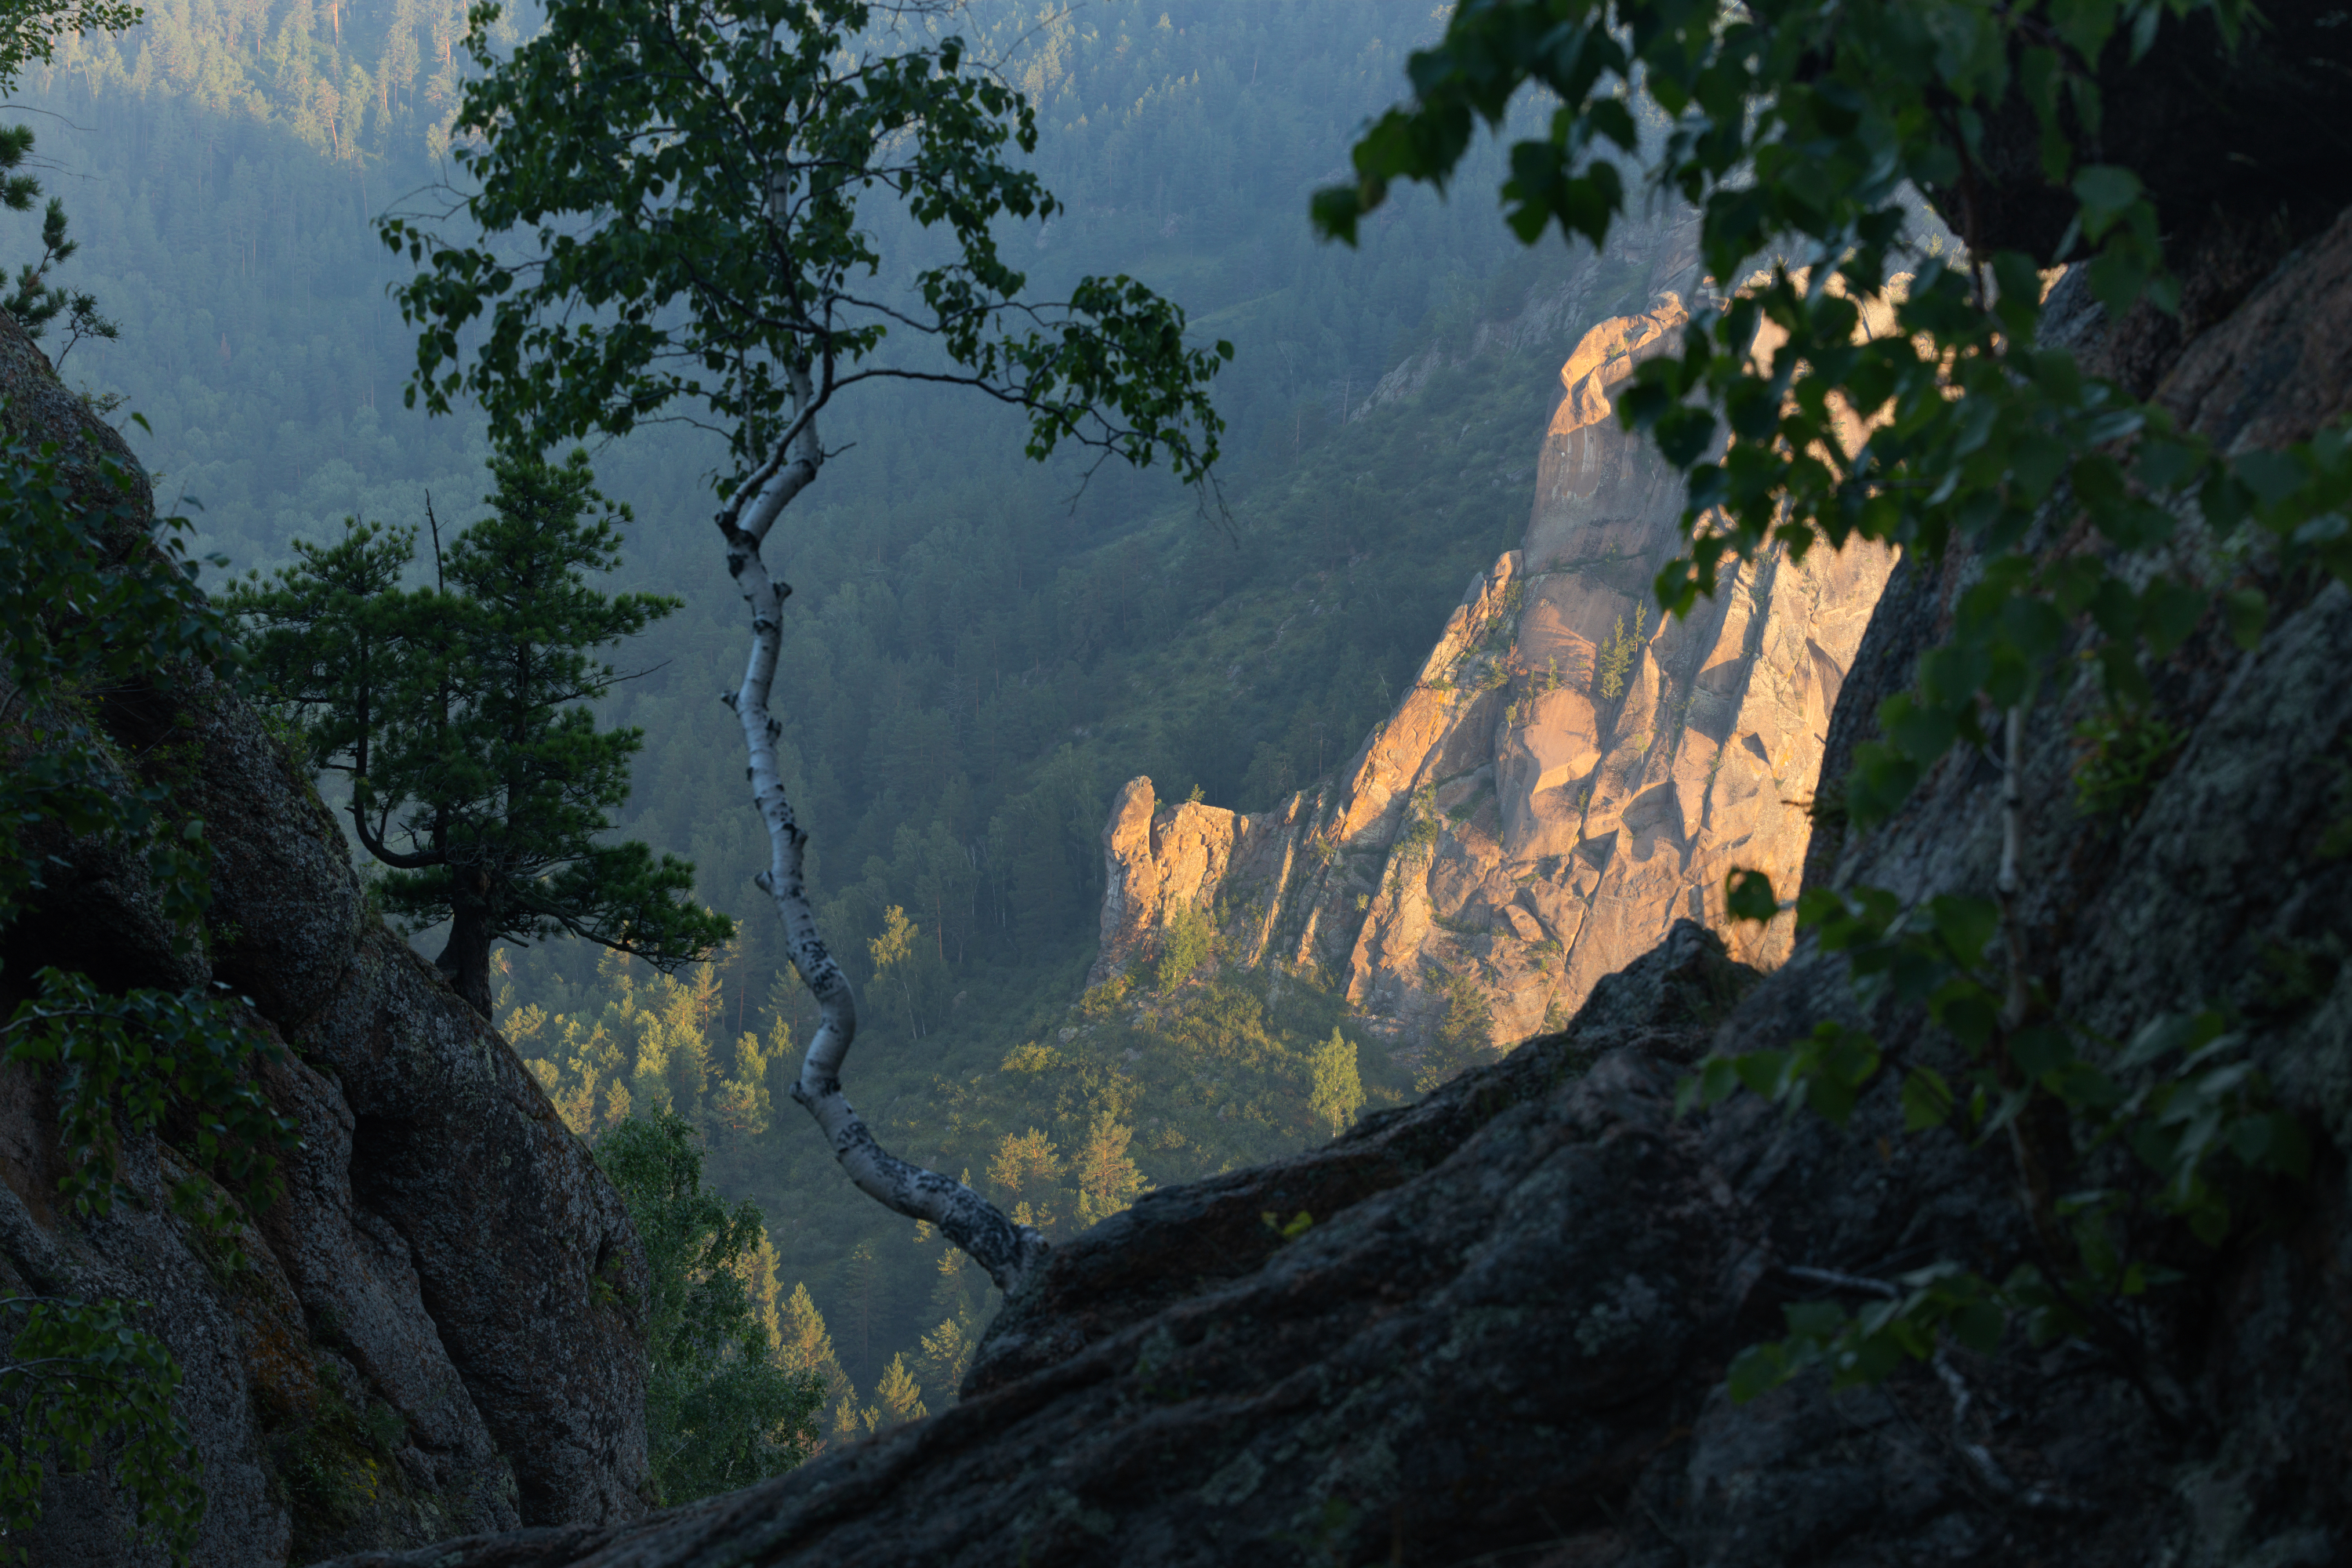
point(1010, 1253)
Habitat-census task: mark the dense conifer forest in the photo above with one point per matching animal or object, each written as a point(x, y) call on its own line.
point(990, 648)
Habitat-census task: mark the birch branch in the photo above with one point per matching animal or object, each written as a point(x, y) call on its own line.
point(1012, 1254)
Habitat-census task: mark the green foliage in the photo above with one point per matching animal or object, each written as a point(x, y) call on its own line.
point(478, 773)
point(34, 303)
point(985, 662)
point(1339, 1092)
point(1101, 1001)
point(122, 1064)
point(899, 958)
point(1797, 129)
point(2124, 752)
point(1103, 1172)
point(1423, 825)
point(31, 30)
point(2178, 1096)
point(1617, 656)
point(1032, 1058)
point(897, 1398)
point(1188, 939)
point(77, 1379)
point(1978, 421)
point(717, 153)
point(722, 1409)
point(93, 607)
point(1465, 1036)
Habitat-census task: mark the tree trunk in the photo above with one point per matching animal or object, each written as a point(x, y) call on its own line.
point(1011, 1253)
point(465, 961)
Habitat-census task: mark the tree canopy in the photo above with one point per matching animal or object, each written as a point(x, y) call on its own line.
point(478, 775)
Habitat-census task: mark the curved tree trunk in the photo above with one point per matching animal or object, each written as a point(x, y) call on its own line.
point(1012, 1254)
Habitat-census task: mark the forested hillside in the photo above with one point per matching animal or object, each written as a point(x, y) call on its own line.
point(985, 651)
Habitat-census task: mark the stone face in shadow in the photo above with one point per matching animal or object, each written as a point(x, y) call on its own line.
point(418, 1350)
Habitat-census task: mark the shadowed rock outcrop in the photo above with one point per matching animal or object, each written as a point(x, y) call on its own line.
point(1502, 1338)
point(421, 1346)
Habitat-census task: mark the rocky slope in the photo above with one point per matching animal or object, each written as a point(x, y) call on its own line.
point(1503, 1336)
point(1565, 779)
point(420, 1346)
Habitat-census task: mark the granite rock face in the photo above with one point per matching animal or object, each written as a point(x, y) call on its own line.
point(1504, 1336)
point(420, 1347)
point(1565, 779)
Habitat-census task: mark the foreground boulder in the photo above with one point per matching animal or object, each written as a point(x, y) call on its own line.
point(420, 1346)
point(1502, 1334)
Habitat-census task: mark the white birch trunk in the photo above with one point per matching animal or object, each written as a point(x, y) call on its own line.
point(1012, 1254)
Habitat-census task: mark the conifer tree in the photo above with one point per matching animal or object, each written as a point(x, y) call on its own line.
point(1338, 1091)
point(946, 1354)
point(850, 1420)
point(807, 1348)
point(1105, 1175)
point(1465, 1035)
point(807, 1344)
point(1025, 1167)
point(478, 776)
point(897, 1398)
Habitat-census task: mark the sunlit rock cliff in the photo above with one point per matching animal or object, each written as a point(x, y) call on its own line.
point(1567, 777)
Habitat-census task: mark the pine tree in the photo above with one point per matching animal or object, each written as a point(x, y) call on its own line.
point(1105, 1175)
point(36, 302)
point(1617, 655)
point(1339, 1092)
point(767, 1292)
point(897, 1398)
point(1465, 1036)
point(1025, 1168)
point(478, 773)
point(947, 1355)
point(807, 1347)
point(866, 1288)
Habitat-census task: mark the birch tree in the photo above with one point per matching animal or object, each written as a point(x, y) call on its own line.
point(673, 220)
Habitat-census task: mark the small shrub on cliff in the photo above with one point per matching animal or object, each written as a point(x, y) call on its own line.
point(1617, 654)
point(723, 1410)
point(1188, 941)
